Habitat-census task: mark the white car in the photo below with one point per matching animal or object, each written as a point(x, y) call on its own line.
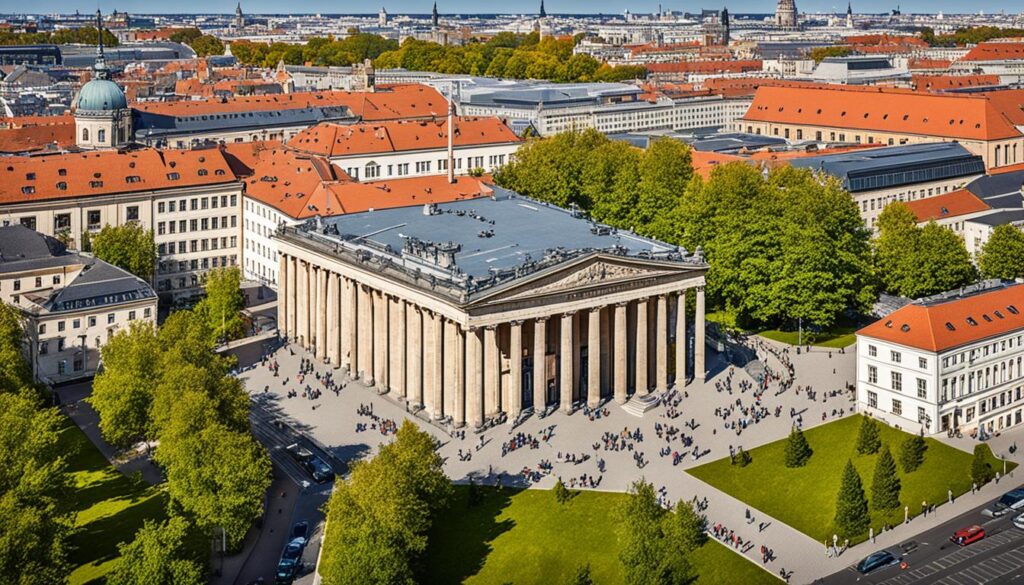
point(1018, 521)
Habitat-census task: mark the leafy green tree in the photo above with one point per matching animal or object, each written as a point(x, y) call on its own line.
point(868, 438)
point(223, 304)
point(798, 451)
point(1002, 256)
point(852, 516)
point(128, 246)
point(34, 522)
point(640, 537)
point(918, 261)
point(378, 518)
point(217, 475)
point(186, 35)
point(582, 576)
point(562, 494)
point(685, 528)
point(15, 374)
point(885, 485)
point(207, 45)
point(981, 469)
point(820, 53)
point(123, 392)
point(666, 167)
point(551, 169)
point(912, 453)
point(159, 555)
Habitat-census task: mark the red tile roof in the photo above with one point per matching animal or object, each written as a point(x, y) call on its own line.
point(953, 204)
point(35, 138)
point(996, 51)
point(937, 82)
point(302, 186)
point(716, 66)
point(335, 140)
point(947, 115)
point(994, 312)
point(69, 176)
point(921, 63)
point(390, 103)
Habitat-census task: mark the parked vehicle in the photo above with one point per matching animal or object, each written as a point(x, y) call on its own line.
point(1018, 521)
point(966, 536)
point(300, 531)
point(319, 469)
point(298, 452)
point(1011, 500)
point(291, 562)
point(875, 561)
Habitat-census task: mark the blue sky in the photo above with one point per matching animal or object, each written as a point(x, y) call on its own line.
point(470, 6)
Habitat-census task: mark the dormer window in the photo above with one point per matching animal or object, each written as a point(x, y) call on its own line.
point(971, 321)
point(950, 326)
point(30, 176)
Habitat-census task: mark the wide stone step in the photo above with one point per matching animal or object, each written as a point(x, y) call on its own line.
point(639, 404)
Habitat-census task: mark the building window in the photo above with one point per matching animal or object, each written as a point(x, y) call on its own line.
point(93, 219)
point(897, 407)
point(131, 315)
point(110, 318)
point(29, 222)
point(132, 213)
point(922, 363)
point(872, 375)
point(872, 400)
point(39, 282)
point(921, 416)
point(44, 347)
point(897, 381)
point(60, 325)
point(896, 357)
point(60, 344)
point(92, 321)
point(17, 285)
point(872, 351)
point(922, 388)
point(85, 135)
point(101, 135)
point(146, 313)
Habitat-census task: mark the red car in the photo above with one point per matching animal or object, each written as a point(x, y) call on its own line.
point(966, 536)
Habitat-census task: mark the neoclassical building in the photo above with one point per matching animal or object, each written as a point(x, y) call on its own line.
point(482, 307)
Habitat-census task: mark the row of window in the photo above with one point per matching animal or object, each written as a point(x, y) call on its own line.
point(201, 245)
point(194, 225)
point(988, 349)
point(896, 357)
point(897, 407)
point(897, 382)
point(170, 266)
point(196, 203)
point(55, 280)
point(91, 320)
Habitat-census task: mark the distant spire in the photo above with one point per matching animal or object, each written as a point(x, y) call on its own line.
point(849, 8)
point(100, 67)
point(543, 14)
point(433, 16)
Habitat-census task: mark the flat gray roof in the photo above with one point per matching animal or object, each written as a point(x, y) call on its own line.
point(480, 243)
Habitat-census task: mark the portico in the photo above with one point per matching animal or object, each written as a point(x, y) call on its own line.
point(489, 324)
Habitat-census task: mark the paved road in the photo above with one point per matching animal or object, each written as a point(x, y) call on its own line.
point(999, 558)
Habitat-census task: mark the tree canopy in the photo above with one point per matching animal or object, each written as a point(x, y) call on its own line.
point(322, 51)
point(914, 261)
point(159, 555)
point(969, 36)
point(1002, 256)
point(85, 35)
point(655, 542)
point(128, 246)
point(378, 518)
point(511, 55)
point(223, 303)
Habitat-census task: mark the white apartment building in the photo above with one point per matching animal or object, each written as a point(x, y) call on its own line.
point(952, 361)
point(410, 148)
point(191, 200)
point(71, 303)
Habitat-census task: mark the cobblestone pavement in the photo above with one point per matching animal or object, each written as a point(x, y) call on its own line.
point(332, 420)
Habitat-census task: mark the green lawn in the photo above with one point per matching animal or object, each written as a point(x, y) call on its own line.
point(110, 507)
point(840, 335)
point(525, 537)
point(805, 497)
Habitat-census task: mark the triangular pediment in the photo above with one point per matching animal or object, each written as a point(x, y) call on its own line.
point(594, 272)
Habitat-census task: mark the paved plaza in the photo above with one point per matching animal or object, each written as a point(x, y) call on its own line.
point(609, 450)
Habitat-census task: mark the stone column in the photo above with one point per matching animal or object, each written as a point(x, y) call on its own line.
point(437, 365)
point(681, 339)
point(292, 296)
point(459, 414)
point(448, 371)
point(321, 314)
point(698, 334)
point(396, 348)
point(515, 377)
point(400, 377)
point(661, 345)
point(300, 303)
point(349, 323)
point(492, 373)
point(565, 364)
point(428, 363)
point(365, 335)
point(474, 387)
point(642, 386)
point(331, 317)
point(594, 357)
point(282, 295)
point(619, 349)
point(415, 356)
point(380, 341)
point(540, 364)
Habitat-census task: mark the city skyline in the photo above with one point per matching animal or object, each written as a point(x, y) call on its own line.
point(562, 7)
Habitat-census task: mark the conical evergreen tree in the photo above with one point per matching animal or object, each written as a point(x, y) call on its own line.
point(885, 486)
point(912, 453)
point(852, 516)
point(981, 469)
point(798, 451)
point(868, 441)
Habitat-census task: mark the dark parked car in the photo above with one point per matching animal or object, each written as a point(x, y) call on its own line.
point(319, 469)
point(875, 561)
point(300, 530)
point(1011, 500)
point(291, 561)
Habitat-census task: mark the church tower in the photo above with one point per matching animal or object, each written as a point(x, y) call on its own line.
point(102, 116)
point(239, 18)
point(849, 15)
point(434, 18)
point(785, 14)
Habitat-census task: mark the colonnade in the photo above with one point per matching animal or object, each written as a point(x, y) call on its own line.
point(465, 374)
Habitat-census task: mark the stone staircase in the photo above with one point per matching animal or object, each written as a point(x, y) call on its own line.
point(638, 405)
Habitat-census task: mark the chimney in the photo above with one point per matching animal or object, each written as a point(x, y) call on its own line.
point(451, 126)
